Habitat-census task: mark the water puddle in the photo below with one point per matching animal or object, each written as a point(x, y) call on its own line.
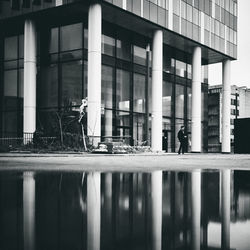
point(138, 211)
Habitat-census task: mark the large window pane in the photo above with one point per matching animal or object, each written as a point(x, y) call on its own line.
point(71, 83)
point(53, 43)
point(180, 68)
point(108, 45)
point(139, 93)
point(107, 100)
point(122, 89)
point(139, 129)
point(71, 37)
point(166, 98)
point(107, 86)
point(139, 55)
point(10, 48)
point(10, 83)
point(48, 94)
point(123, 50)
point(179, 101)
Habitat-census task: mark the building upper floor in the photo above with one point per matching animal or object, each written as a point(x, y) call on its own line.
point(211, 24)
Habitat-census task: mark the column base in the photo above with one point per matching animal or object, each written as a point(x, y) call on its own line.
point(226, 153)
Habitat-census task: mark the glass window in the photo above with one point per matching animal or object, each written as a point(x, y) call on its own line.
point(21, 46)
point(189, 71)
point(53, 40)
point(166, 98)
point(176, 23)
point(139, 129)
point(153, 12)
point(122, 89)
point(180, 68)
point(139, 93)
point(189, 13)
point(71, 37)
point(183, 10)
point(162, 16)
point(117, 3)
point(71, 83)
point(10, 83)
point(108, 45)
point(176, 7)
point(20, 89)
point(179, 101)
point(10, 48)
point(189, 103)
point(137, 7)
point(107, 99)
point(162, 3)
point(196, 16)
point(107, 86)
point(139, 55)
point(123, 50)
point(48, 94)
point(167, 60)
point(146, 9)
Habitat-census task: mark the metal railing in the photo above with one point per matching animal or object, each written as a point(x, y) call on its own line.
point(26, 139)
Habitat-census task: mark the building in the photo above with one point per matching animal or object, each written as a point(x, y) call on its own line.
point(239, 108)
point(142, 64)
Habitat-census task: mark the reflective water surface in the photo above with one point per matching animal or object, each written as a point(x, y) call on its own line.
point(111, 211)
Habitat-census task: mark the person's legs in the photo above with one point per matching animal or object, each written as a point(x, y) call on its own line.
point(179, 151)
point(183, 147)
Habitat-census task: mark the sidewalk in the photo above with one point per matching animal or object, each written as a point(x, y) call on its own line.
point(125, 163)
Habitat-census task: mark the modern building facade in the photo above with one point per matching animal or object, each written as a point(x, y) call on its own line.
point(142, 64)
point(239, 108)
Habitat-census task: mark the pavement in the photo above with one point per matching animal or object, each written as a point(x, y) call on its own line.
point(144, 162)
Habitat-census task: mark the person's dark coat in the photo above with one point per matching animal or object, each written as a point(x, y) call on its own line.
point(181, 136)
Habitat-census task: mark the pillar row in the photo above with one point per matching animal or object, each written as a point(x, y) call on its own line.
point(94, 72)
point(29, 98)
point(226, 96)
point(157, 51)
point(196, 101)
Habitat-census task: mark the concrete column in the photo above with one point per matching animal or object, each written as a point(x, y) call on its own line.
point(29, 198)
point(157, 51)
point(225, 209)
point(196, 209)
point(196, 101)
point(93, 211)
point(29, 98)
point(226, 105)
point(156, 198)
point(94, 72)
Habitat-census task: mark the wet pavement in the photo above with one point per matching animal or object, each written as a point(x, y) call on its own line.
point(157, 210)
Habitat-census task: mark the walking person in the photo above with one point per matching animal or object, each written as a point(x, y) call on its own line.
point(182, 139)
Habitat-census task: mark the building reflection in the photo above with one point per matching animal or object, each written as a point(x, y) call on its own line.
point(109, 211)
